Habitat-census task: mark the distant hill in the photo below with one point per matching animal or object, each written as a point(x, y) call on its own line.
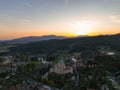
point(34, 39)
point(71, 45)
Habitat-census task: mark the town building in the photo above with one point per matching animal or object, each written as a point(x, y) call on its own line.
point(61, 68)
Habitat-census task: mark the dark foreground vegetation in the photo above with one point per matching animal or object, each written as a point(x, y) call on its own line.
point(88, 63)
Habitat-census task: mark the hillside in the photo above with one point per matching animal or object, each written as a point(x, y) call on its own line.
point(71, 45)
point(34, 39)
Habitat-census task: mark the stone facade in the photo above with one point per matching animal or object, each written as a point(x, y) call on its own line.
point(60, 68)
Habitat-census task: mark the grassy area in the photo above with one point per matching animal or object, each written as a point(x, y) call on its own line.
point(6, 48)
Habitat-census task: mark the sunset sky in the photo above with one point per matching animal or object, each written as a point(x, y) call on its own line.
point(19, 18)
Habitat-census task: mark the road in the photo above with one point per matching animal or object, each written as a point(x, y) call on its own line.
point(77, 75)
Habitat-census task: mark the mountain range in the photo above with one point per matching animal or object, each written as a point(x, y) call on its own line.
point(71, 44)
point(34, 39)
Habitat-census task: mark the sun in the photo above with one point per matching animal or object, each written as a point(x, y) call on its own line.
point(83, 27)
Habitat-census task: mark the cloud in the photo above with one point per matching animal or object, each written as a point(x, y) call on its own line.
point(18, 20)
point(66, 1)
point(27, 4)
point(115, 18)
point(24, 21)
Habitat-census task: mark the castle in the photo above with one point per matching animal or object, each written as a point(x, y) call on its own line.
point(61, 68)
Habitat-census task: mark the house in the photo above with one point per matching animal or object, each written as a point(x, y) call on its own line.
point(45, 88)
point(41, 59)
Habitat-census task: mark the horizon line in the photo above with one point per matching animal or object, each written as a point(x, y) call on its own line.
point(61, 36)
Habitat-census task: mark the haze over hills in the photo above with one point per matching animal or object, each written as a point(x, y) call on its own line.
point(41, 38)
point(38, 38)
point(34, 39)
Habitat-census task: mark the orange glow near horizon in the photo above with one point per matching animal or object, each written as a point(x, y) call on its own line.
point(71, 29)
point(67, 34)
